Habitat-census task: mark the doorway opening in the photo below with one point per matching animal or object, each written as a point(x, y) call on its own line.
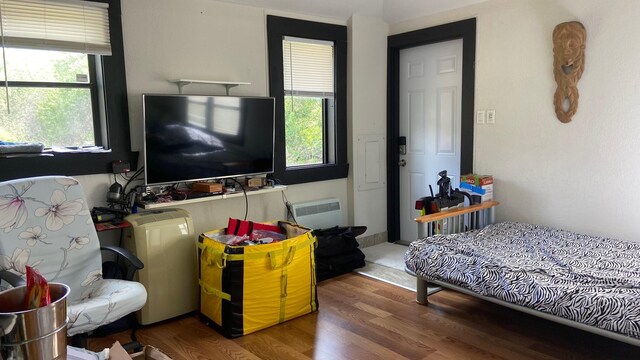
point(465, 30)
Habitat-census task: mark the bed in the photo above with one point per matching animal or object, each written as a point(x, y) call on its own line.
point(588, 282)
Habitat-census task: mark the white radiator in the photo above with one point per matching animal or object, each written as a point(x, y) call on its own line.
point(318, 214)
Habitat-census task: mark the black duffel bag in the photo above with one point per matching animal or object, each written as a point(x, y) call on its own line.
point(337, 240)
point(337, 252)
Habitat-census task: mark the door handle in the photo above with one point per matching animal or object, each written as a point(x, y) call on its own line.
point(402, 163)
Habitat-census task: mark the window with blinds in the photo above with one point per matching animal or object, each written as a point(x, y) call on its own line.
point(51, 50)
point(74, 26)
point(308, 67)
point(308, 79)
point(308, 73)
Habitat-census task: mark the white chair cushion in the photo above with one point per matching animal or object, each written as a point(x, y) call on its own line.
point(103, 302)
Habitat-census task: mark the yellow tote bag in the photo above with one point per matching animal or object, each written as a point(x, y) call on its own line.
point(248, 288)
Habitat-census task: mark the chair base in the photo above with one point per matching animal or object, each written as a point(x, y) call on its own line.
point(127, 322)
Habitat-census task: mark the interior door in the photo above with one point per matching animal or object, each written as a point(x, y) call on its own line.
point(430, 95)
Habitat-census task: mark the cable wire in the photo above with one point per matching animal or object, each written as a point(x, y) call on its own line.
point(287, 204)
point(246, 198)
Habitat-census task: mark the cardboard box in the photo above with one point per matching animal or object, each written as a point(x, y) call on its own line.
point(210, 187)
point(256, 182)
point(150, 353)
point(477, 180)
point(117, 352)
point(485, 182)
point(479, 191)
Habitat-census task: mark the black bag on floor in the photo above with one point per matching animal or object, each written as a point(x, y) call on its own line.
point(337, 252)
point(329, 267)
point(337, 240)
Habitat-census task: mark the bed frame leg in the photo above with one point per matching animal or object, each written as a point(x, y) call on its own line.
point(421, 292)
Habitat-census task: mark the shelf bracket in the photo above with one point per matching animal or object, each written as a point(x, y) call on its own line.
point(227, 84)
point(181, 86)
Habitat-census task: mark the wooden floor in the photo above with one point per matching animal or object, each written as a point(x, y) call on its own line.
point(362, 318)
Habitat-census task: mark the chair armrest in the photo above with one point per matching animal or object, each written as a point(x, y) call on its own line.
point(11, 278)
point(128, 255)
point(133, 264)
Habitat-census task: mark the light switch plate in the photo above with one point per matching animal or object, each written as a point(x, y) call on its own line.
point(491, 116)
point(480, 116)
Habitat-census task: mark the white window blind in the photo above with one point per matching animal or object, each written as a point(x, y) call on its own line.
point(308, 67)
point(63, 25)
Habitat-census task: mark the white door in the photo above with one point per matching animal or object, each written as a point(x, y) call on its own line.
point(430, 118)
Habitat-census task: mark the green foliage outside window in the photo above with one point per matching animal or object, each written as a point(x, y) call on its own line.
point(54, 116)
point(303, 130)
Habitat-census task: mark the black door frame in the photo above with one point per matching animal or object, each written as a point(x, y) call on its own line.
point(465, 30)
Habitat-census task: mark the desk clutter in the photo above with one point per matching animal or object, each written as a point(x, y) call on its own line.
point(200, 189)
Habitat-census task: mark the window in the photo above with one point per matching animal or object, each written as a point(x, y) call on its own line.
point(309, 91)
point(48, 99)
point(307, 72)
point(65, 86)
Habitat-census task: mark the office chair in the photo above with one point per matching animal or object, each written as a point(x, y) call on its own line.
point(45, 223)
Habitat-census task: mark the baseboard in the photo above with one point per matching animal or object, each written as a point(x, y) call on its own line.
point(371, 240)
point(389, 275)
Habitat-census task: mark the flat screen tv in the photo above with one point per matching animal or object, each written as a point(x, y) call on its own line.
point(195, 137)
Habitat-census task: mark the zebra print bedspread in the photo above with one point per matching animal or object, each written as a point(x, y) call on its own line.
point(592, 280)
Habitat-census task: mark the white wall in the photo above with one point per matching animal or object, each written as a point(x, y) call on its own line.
point(207, 40)
point(581, 175)
point(368, 119)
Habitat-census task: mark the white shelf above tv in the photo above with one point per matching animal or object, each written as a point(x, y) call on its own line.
point(177, 203)
point(227, 84)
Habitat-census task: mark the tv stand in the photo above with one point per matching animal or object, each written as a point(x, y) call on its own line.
point(175, 203)
point(227, 84)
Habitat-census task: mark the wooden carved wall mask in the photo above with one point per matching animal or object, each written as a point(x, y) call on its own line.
point(568, 64)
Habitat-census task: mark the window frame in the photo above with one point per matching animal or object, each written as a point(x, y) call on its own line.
point(277, 28)
point(115, 136)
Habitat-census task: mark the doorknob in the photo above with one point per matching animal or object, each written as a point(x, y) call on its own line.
point(402, 163)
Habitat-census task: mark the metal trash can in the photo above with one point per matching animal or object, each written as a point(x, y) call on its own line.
point(36, 333)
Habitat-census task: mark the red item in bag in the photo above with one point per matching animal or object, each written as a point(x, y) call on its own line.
point(244, 227)
point(37, 290)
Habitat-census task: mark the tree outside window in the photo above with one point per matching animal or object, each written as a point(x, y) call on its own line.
point(303, 130)
point(49, 98)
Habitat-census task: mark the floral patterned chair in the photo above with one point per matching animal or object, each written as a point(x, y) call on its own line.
point(45, 223)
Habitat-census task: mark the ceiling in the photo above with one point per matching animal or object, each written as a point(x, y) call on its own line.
point(391, 11)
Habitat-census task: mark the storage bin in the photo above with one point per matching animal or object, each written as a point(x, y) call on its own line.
point(244, 289)
point(39, 333)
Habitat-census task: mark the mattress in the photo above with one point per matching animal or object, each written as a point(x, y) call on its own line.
point(588, 279)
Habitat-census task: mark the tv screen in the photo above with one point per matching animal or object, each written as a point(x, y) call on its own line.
point(194, 137)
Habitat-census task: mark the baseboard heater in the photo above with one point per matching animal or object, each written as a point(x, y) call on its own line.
point(318, 214)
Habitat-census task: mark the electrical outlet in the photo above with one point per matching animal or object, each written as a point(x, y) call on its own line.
point(491, 116)
point(480, 116)
point(120, 166)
